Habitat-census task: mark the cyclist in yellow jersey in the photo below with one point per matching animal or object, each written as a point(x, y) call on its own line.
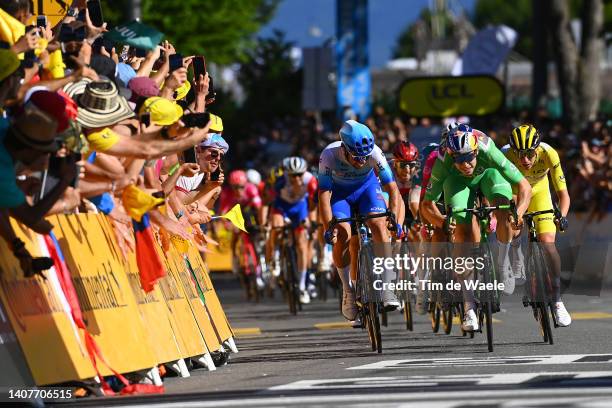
point(537, 161)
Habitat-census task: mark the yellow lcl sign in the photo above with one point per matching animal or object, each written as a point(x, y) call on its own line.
point(451, 96)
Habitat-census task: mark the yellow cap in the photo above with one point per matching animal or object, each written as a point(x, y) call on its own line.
point(216, 124)
point(137, 203)
point(102, 140)
point(163, 112)
point(183, 90)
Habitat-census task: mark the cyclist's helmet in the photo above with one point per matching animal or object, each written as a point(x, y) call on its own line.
point(237, 178)
point(446, 129)
point(461, 139)
point(357, 138)
point(253, 176)
point(525, 137)
point(405, 151)
point(295, 165)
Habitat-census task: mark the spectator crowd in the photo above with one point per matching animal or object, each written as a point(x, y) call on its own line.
point(93, 126)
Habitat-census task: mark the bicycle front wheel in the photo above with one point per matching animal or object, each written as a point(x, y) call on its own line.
point(369, 297)
point(536, 266)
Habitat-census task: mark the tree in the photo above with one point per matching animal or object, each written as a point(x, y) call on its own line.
point(222, 30)
point(272, 84)
point(578, 71)
point(417, 36)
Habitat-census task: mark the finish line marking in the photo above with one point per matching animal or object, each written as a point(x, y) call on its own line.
point(419, 381)
point(488, 361)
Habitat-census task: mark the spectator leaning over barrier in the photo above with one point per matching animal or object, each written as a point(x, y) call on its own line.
point(194, 195)
point(25, 144)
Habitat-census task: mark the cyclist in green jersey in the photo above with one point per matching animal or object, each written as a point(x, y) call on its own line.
point(471, 162)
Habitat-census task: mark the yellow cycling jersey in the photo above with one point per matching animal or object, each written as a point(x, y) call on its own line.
point(547, 161)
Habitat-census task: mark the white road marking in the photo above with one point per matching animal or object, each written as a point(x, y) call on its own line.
point(586, 397)
point(488, 361)
point(470, 380)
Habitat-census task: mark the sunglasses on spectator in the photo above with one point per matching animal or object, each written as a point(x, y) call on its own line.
point(464, 157)
point(530, 154)
point(215, 154)
point(238, 187)
point(406, 165)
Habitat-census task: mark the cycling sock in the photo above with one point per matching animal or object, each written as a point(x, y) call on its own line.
point(503, 255)
point(516, 248)
point(303, 276)
point(345, 277)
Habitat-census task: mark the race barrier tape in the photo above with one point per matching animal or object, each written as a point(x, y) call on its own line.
point(181, 318)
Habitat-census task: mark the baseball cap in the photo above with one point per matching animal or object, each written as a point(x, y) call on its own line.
point(163, 112)
point(52, 104)
point(216, 141)
point(142, 87)
point(216, 124)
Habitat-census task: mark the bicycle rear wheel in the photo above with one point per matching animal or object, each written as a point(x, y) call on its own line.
point(408, 313)
point(447, 319)
point(434, 316)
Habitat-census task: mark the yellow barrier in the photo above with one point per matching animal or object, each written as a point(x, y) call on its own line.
point(134, 330)
point(220, 257)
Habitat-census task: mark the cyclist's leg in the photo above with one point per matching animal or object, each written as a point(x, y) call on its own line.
point(458, 194)
point(298, 214)
point(277, 219)
point(499, 191)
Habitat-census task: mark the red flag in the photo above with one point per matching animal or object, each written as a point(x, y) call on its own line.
point(150, 266)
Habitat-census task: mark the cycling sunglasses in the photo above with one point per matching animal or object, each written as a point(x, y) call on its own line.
point(407, 165)
point(238, 187)
point(358, 159)
point(530, 154)
point(464, 157)
point(297, 175)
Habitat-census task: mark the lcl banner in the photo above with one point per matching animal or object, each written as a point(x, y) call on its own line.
point(451, 96)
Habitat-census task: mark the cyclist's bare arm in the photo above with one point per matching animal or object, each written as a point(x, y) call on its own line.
point(523, 197)
point(325, 210)
point(432, 213)
point(394, 197)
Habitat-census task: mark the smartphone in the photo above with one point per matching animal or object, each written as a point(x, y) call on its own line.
point(145, 119)
point(102, 42)
point(189, 155)
point(214, 176)
point(79, 34)
point(176, 62)
point(199, 67)
point(66, 33)
point(41, 21)
point(95, 12)
point(81, 16)
point(196, 120)
point(211, 90)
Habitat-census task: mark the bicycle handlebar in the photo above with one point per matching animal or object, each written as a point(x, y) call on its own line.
point(362, 218)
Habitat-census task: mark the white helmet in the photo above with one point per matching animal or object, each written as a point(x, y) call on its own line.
point(253, 176)
point(295, 165)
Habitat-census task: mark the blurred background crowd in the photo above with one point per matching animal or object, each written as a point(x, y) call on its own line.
point(100, 115)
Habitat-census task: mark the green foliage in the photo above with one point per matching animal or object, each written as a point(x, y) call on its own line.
point(405, 44)
point(222, 30)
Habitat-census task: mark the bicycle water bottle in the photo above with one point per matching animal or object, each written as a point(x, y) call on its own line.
point(363, 233)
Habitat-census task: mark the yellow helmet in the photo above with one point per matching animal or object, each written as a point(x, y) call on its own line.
point(275, 173)
point(525, 137)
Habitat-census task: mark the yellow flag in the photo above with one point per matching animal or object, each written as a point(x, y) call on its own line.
point(235, 217)
point(11, 29)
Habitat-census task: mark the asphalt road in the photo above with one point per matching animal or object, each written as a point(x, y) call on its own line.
point(314, 359)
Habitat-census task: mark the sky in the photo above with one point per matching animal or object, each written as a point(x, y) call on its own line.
point(387, 19)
